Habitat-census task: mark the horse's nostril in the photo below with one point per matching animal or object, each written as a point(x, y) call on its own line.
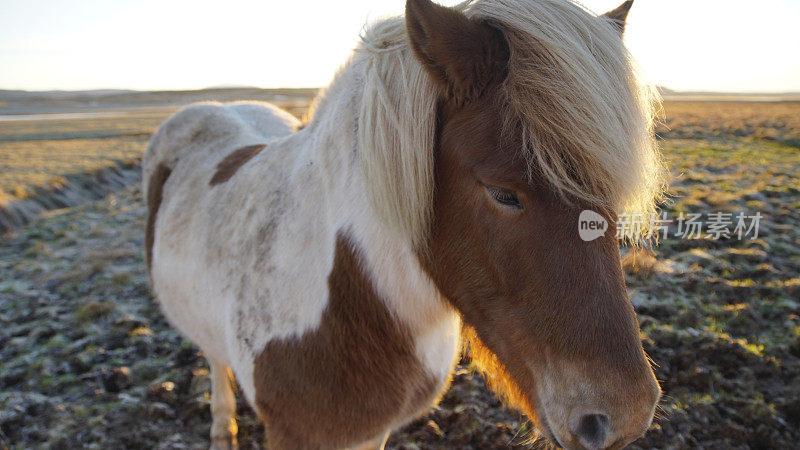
point(592, 430)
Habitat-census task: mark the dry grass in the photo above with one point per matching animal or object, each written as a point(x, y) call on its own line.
point(778, 121)
point(92, 311)
point(640, 262)
point(42, 163)
point(105, 123)
point(38, 153)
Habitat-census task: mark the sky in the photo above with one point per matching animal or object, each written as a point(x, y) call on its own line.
point(686, 45)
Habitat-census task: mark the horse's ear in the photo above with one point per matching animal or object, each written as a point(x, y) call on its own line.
point(619, 14)
point(462, 55)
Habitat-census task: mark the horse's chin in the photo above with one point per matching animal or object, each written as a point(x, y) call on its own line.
point(513, 395)
point(547, 432)
point(499, 378)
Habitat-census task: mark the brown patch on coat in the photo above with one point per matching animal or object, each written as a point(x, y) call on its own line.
point(154, 196)
point(231, 163)
point(348, 380)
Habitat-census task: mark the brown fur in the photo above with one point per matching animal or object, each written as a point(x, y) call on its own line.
point(154, 197)
point(619, 14)
point(464, 57)
point(231, 163)
point(531, 289)
point(344, 382)
point(532, 294)
point(495, 372)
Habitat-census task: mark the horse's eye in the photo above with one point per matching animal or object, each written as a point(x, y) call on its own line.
point(505, 197)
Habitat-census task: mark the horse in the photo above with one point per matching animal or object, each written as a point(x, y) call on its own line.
point(335, 268)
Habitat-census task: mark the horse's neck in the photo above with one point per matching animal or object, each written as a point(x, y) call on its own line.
point(392, 265)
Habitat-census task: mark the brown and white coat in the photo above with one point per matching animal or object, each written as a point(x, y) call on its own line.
point(331, 268)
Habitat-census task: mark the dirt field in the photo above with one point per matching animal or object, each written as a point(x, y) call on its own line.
point(87, 360)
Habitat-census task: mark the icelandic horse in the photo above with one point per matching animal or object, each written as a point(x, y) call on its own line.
point(333, 268)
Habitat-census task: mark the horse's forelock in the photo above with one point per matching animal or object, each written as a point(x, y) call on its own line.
point(573, 93)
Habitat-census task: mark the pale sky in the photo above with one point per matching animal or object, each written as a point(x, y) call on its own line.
point(717, 45)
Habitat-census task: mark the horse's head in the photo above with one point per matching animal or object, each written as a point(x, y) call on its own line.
point(520, 153)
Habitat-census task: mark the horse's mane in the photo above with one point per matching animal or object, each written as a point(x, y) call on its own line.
point(396, 131)
point(572, 88)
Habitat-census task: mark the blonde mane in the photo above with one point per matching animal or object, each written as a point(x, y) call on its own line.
point(396, 131)
point(572, 88)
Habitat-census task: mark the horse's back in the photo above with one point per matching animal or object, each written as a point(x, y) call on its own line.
point(212, 127)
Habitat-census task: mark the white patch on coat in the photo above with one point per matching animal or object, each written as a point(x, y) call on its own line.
point(246, 261)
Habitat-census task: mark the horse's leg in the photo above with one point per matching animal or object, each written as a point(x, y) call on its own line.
point(376, 444)
point(223, 408)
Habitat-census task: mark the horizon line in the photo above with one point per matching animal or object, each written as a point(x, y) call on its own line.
point(664, 90)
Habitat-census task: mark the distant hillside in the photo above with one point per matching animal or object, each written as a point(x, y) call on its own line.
point(673, 95)
point(25, 102)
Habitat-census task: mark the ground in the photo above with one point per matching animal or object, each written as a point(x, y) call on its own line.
point(87, 359)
